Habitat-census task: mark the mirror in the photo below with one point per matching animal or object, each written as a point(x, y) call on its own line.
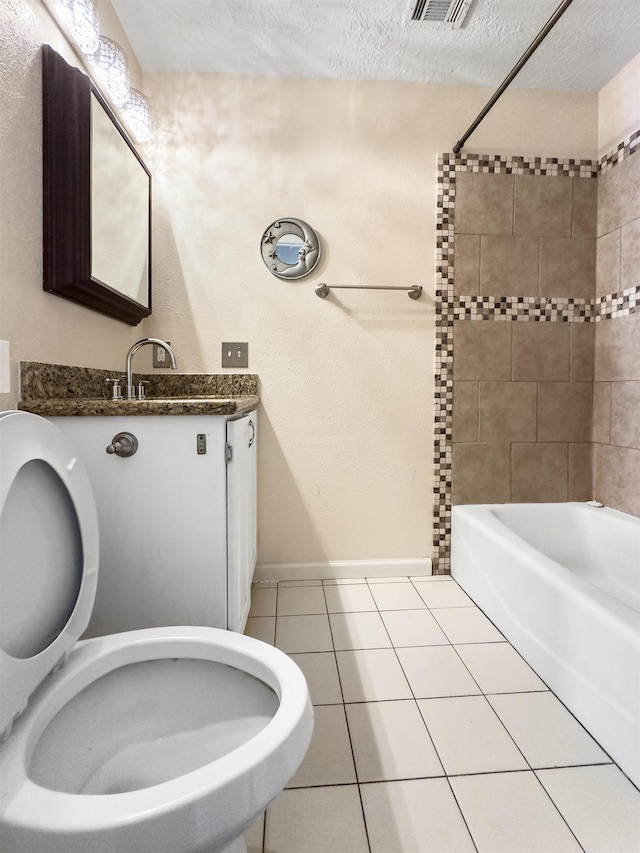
point(290, 248)
point(96, 202)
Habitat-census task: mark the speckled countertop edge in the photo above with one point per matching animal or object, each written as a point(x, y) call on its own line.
point(115, 408)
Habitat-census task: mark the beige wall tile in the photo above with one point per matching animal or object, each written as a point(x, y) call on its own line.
point(568, 267)
point(541, 351)
point(618, 348)
point(630, 255)
point(539, 472)
point(619, 195)
point(543, 206)
point(616, 474)
point(585, 213)
point(480, 473)
point(507, 411)
point(481, 349)
point(466, 265)
point(565, 411)
point(465, 411)
point(509, 266)
point(608, 263)
point(601, 412)
point(484, 203)
point(583, 351)
point(580, 472)
point(625, 414)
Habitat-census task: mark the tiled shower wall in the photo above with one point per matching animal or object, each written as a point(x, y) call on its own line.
point(522, 391)
point(515, 407)
point(616, 416)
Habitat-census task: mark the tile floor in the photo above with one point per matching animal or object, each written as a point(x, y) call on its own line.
point(432, 734)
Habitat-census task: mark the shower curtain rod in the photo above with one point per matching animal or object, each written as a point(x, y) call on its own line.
point(535, 44)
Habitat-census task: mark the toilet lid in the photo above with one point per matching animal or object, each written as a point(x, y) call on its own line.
point(48, 555)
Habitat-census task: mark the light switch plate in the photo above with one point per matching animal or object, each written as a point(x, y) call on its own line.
point(235, 354)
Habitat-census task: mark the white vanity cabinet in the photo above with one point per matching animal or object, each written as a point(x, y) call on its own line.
point(177, 519)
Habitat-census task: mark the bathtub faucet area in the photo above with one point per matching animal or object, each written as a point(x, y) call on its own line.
point(130, 391)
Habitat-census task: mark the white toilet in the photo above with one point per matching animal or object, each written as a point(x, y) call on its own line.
point(154, 741)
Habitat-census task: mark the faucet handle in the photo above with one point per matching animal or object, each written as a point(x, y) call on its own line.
point(140, 387)
point(116, 388)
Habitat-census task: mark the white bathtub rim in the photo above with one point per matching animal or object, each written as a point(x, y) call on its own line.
point(558, 574)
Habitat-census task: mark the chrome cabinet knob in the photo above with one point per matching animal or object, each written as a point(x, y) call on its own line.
point(123, 444)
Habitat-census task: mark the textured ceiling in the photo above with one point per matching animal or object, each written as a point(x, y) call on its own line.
point(374, 40)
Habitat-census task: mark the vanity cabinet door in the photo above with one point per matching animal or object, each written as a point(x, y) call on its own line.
point(241, 517)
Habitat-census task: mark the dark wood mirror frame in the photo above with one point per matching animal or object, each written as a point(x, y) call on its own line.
point(66, 129)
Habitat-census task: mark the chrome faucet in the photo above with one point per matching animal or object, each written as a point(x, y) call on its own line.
point(130, 391)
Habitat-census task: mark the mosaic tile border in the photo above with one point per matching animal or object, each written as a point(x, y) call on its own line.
point(517, 308)
point(495, 164)
point(625, 149)
point(450, 308)
point(618, 304)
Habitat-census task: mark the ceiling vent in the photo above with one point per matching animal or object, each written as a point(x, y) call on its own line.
point(450, 12)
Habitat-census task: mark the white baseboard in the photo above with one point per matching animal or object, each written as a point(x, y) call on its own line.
point(332, 569)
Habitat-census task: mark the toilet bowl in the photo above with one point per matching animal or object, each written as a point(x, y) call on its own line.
point(165, 739)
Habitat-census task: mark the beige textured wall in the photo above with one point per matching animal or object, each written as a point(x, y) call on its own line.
point(346, 427)
point(347, 436)
point(619, 107)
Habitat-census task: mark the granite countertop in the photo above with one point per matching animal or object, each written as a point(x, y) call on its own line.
point(54, 390)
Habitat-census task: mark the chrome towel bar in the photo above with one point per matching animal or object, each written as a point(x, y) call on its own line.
point(322, 290)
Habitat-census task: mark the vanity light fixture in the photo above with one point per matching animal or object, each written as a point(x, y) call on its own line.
point(81, 19)
point(136, 114)
point(110, 62)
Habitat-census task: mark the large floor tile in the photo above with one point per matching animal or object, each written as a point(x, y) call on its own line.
point(372, 675)
point(443, 594)
point(415, 816)
point(301, 600)
point(388, 580)
point(303, 634)
point(343, 581)
point(254, 836)
point(396, 596)
point(261, 628)
point(413, 628)
point(328, 760)
point(511, 813)
point(547, 734)
point(358, 631)
point(436, 671)
point(316, 820)
point(467, 625)
point(390, 741)
point(600, 805)
point(263, 601)
point(321, 671)
point(498, 668)
point(469, 737)
point(349, 598)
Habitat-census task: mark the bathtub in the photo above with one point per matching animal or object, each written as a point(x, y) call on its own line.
point(562, 583)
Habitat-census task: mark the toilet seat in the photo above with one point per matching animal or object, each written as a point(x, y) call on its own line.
point(29, 586)
point(203, 809)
